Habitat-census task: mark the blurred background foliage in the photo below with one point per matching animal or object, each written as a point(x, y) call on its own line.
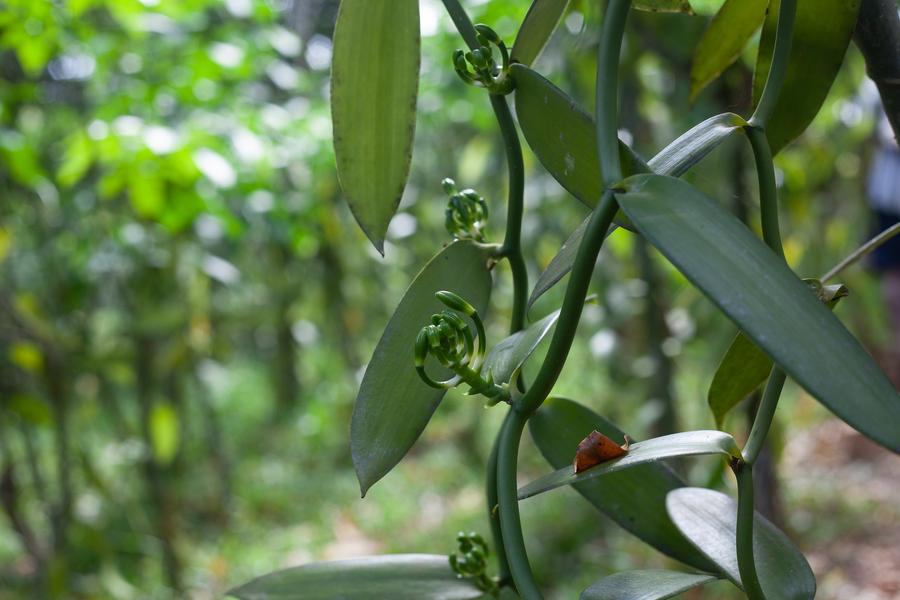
point(186, 305)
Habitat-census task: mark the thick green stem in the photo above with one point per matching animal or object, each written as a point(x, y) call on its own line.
point(507, 488)
point(493, 502)
point(462, 22)
point(746, 564)
point(784, 35)
point(607, 94)
point(768, 191)
point(764, 415)
point(512, 242)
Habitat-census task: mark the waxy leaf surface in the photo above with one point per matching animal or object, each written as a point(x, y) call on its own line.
point(652, 584)
point(822, 32)
point(686, 443)
point(394, 405)
point(512, 352)
point(758, 291)
point(634, 498)
point(374, 84)
point(709, 519)
point(398, 576)
point(542, 18)
point(722, 42)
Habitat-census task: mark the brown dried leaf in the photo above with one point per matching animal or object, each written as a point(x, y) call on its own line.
point(595, 449)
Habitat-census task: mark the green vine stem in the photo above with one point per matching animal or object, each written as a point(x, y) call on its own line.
point(764, 416)
point(784, 35)
point(746, 563)
point(768, 191)
point(493, 503)
point(861, 252)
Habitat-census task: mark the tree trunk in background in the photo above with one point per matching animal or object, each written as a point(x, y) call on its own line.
point(287, 386)
point(218, 454)
point(162, 509)
point(55, 380)
point(878, 37)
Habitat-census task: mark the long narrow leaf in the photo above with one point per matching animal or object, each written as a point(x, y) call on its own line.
point(686, 443)
point(539, 24)
point(652, 584)
point(758, 291)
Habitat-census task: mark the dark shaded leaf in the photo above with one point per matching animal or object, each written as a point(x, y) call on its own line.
point(633, 498)
point(679, 6)
point(393, 405)
point(708, 518)
point(758, 291)
point(374, 84)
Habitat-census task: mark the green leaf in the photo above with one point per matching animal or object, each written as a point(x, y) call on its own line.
point(708, 518)
point(724, 39)
point(164, 433)
point(685, 443)
point(690, 148)
point(633, 498)
point(743, 369)
point(542, 18)
point(652, 584)
point(566, 144)
point(398, 576)
point(678, 6)
point(675, 159)
point(374, 83)
point(393, 405)
point(511, 353)
point(30, 409)
point(822, 32)
point(758, 291)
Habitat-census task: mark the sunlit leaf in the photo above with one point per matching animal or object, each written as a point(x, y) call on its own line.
point(374, 84)
point(398, 576)
point(822, 32)
point(394, 405)
point(27, 356)
point(757, 290)
point(634, 498)
point(164, 433)
point(540, 21)
point(686, 443)
point(722, 42)
point(708, 518)
point(5, 243)
point(652, 584)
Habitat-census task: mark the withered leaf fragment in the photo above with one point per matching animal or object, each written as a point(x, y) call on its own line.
point(595, 449)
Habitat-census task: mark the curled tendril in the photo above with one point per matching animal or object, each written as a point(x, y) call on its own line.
point(479, 67)
point(466, 213)
point(470, 561)
point(449, 339)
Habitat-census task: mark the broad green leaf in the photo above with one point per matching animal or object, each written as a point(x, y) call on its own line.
point(675, 159)
point(680, 6)
point(758, 291)
point(722, 42)
point(398, 576)
point(708, 518)
point(511, 353)
point(542, 18)
point(690, 148)
point(374, 84)
point(685, 443)
point(566, 144)
point(652, 584)
point(822, 32)
point(745, 367)
point(393, 405)
point(633, 498)
point(164, 433)
point(29, 408)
